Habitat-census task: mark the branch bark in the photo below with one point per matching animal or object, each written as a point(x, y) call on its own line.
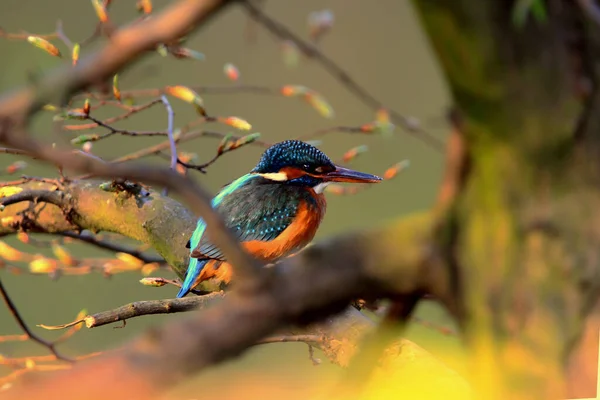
point(298, 291)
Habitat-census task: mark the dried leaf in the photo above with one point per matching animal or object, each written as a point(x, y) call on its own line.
point(16, 167)
point(23, 237)
point(100, 10)
point(149, 268)
point(293, 90)
point(7, 191)
point(396, 169)
point(44, 45)
point(129, 259)
point(63, 255)
point(153, 282)
point(9, 253)
point(188, 95)
point(86, 107)
point(75, 54)
point(231, 72)
point(115, 87)
point(144, 6)
point(236, 122)
point(353, 152)
point(42, 265)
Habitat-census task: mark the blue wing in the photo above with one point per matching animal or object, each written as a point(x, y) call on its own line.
point(253, 212)
point(194, 266)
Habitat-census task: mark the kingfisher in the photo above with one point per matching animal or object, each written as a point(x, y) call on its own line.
point(275, 209)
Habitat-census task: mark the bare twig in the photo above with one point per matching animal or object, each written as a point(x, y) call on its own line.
point(106, 123)
point(172, 144)
point(87, 238)
point(46, 196)
point(125, 45)
point(17, 316)
point(283, 32)
point(141, 308)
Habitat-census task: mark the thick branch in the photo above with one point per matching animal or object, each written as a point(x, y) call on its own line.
point(300, 290)
point(82, 205)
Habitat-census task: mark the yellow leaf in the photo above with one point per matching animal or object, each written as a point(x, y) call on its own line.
point(63, 255)
point(7, 191)
point(153, 282)
point(147, 269)
point(9, 253)
point(236, 122)
point(100, 10)
point(188, 95)
point(29, 363)
point(42, 265)
point(75, 54)
point(130, 260)
point(44, 45)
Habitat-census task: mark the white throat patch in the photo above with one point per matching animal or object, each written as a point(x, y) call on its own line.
point(320, 187)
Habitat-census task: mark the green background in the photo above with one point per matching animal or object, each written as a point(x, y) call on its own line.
point(379, 43)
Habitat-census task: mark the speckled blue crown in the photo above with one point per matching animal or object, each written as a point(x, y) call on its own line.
point(291, 153)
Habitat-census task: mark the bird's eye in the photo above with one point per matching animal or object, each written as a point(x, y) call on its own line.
point(306, 167)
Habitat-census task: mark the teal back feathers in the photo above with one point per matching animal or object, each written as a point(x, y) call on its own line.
point(195, 266)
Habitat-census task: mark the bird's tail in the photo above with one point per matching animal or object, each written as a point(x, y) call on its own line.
point(192, 274)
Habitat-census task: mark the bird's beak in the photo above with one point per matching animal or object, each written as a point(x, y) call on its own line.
point(342, 174)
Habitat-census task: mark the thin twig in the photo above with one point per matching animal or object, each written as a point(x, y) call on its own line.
point(104, 124)
point(17, 316)
point(141, 308)
point(172, 144)
point(309, 50)
point(113, 247)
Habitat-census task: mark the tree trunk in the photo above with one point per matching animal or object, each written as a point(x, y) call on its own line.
point(522, 231)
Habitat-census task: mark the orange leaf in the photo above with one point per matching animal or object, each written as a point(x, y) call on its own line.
point(396, 169)
point(145, 6)
point(231, 71)
point(116, 91)
point(9, 253)
point(353, 152)
point(44, 45)
point(188, 95)
point(100, 10)
point(236, 122)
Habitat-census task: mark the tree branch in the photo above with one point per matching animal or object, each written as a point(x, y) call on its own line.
point(125, 45)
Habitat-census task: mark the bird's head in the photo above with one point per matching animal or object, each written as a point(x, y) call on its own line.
point(299, 163)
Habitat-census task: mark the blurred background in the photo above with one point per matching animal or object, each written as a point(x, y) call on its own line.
point(379, 43)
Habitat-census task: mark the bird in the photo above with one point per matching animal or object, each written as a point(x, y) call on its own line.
point(274, 210)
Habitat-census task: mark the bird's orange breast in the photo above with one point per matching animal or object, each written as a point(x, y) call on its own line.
point(297, 235)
